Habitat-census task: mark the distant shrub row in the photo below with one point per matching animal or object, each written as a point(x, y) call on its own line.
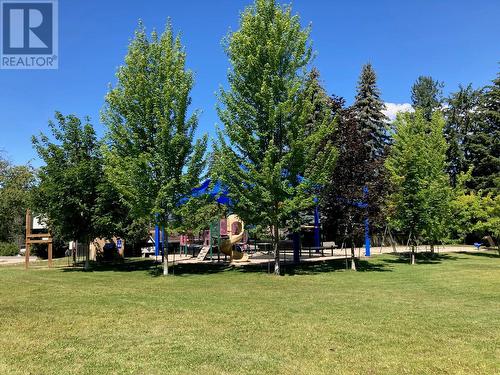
point(8, 249)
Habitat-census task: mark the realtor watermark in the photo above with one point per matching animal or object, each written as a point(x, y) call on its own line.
point(29, 34)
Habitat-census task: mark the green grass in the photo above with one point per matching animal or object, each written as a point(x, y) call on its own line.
point(441, 316)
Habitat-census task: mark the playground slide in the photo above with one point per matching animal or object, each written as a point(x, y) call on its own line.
point(235, 230)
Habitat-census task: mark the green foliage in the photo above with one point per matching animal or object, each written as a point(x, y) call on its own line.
point(484, 142)
point(475, 213)
point(420, 203)
point(427, 95)
point(150, 156)
point(16, 183)
point(8, 249)
point(267, 113)
point(461, 122)
point(69, 181)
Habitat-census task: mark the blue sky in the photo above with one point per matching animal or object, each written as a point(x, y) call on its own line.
point(456, 41)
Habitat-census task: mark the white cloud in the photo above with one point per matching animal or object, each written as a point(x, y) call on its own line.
point(392, 109)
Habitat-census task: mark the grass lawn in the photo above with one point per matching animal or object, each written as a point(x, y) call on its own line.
point(438, 317)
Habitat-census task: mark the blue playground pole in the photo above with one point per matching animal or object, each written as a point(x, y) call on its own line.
point(317, 239)
point(367, 224)
point(157, 240)
point(367, 238)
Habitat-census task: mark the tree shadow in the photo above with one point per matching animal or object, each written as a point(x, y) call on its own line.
point(314, 268)
point(126, 265)
point(205, 268)
point(155, 269)
point(481, 254)
point(420, 258)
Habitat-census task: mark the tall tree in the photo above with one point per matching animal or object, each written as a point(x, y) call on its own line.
point(420, 203)
point(368, 107)
point(427, 95)
point(152, 157)
point(345, 197)
point(484, 142)
point(461, 122)
point(267, 157)
point(358, 183)
point(68, 182)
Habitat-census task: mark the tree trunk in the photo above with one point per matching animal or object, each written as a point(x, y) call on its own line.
point(353, 256)
point(74, 251)
point(165, 262)
point(276, 250)
point(164, 242)
point(87, 254)
point(432, 249)
point(412, 254)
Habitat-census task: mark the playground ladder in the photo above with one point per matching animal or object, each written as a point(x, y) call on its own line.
point(203, 252)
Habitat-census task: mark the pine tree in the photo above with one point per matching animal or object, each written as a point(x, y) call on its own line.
point(420, 203)
point(368, 107)
point(461, 121)
point(318, 106)
point(427, 95)
point(484, 142)
point(151, 155)
point(267, 156)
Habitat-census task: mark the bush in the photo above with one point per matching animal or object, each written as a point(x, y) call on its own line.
point(8, 249)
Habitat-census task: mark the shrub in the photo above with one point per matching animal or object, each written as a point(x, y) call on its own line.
point(8, 249)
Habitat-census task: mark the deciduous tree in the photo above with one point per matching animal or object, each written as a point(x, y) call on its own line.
point(267, 156)
point(420, 203)
point(152, 156)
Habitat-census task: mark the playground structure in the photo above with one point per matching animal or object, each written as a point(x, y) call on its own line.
point(229, 237)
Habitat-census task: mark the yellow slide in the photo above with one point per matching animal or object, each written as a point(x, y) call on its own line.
point(227, 246)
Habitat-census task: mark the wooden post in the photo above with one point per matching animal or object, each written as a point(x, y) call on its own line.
point(27, 256)
point(50, 254)
point(27, 241)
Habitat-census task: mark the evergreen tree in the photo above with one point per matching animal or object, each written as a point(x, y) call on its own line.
point(268, 157)
point(318, 106)
point(461, 121)
point(420, 203)
point(368, 107)
point(484, 142)
point(427, 95)
point(151, 155)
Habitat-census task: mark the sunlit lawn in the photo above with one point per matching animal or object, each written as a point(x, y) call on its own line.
point(438, 317)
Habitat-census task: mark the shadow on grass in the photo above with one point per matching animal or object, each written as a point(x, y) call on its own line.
point(493, 254)
point(182, 269)
point(127, 265)
point(314, 268)
point(421, 258)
